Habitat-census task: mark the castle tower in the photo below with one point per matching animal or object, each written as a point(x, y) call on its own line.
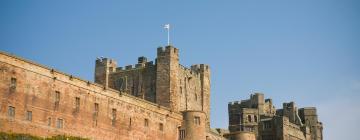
point(205, 91)
point(167, 64)
point(258, 100)
point(309, 117)
point(103, 67)
point(204, 71)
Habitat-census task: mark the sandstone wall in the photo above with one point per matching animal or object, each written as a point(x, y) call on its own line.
point(36, 91)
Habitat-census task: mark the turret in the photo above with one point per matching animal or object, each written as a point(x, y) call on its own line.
point(103, 67)
point(194, 125)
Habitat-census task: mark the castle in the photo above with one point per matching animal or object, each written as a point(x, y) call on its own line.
point(160, 100)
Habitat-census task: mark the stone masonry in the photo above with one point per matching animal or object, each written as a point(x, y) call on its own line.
point(152, 100)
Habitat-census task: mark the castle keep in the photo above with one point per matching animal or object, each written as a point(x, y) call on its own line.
point(151, 100)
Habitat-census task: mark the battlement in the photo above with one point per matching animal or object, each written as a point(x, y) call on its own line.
point(105, 61)
point(135, 66)
point(167, 50)
point(200, 67)
point(308, 111)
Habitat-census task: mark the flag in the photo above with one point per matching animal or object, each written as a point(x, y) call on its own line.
point(167, 26)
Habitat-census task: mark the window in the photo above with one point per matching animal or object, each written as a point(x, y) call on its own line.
point(146, 122)
point(255, 118)
point(29, 115)
point(249, 118)
point(11, 111)
point(196, 98)
point(267, 125)
point(49, 121)
point(113, 120)
point(161, 126)
point(182, 134)
point(77, 104)
point(13, 83)
point(96, 113)
point(96, 109)
point(130, 122)
point(57, 99)
point(197, 120)
point(59, 123)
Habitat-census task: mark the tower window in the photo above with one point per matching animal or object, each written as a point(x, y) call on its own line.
point(29, 115)
point(197, 120)
point(255, 118)
point(11, 111)
point(182, 134)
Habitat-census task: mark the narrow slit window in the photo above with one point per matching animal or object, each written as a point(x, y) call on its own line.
point(161, 126)
point(57, 100)
point(29, 115)
point(13, 83)
point(146, 122)
point(77, 104)
point(113, 119)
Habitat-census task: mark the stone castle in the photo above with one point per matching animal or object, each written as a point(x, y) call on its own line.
point(160, 100)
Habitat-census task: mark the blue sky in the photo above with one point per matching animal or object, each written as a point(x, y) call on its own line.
point(305, 51)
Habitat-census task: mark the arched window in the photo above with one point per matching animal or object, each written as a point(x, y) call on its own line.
point(255, 118)
point(249, 118)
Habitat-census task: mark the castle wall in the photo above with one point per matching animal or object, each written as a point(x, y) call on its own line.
point(51, 97)
point(138, 81)
point(288, 130)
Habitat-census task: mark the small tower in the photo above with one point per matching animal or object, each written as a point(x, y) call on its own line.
point(194, 124)
point(103, 67)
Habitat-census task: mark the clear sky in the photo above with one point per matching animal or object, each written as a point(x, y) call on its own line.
point(306, 51)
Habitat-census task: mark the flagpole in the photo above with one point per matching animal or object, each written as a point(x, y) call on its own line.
point(167, 27)
point(168, 35)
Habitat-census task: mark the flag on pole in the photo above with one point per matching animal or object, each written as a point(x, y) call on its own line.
point(167, 26)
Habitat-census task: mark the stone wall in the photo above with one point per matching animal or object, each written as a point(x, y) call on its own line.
point(36, 99)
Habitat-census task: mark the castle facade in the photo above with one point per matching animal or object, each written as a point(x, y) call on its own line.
point(160, 100)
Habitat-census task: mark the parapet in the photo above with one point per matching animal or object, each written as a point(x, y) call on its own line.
point(199, 67)
point(308, 111)
point(142, 60)
point(167, 50)
point(105, 61)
